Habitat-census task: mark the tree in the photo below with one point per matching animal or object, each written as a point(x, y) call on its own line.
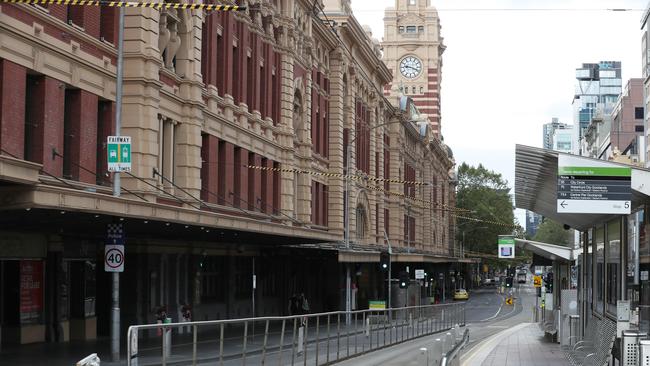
point(553, 232)
point(486, 194)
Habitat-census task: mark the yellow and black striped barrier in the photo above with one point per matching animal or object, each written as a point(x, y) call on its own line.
point(131, 4)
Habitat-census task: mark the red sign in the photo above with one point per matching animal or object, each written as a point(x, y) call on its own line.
point(31, 289)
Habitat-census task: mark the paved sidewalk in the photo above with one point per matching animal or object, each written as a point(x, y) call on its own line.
point(523, 345)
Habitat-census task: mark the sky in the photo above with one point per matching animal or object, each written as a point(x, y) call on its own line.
point(507, 72)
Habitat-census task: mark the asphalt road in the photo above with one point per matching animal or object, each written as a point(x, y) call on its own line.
point(486, 314)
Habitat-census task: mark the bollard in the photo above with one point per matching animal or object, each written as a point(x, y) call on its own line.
point(368, 327)
point(301, 335)
point(450, 341)
point(437, 352)
point(168, 338)
point(424, 356)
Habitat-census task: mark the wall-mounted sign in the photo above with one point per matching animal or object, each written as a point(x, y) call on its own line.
point(593, 187)
point(506, 244)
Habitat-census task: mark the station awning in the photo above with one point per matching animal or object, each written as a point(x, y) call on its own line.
point(551, 251)
point(536, 187)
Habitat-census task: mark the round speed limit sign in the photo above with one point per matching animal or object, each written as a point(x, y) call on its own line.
point(114, 258)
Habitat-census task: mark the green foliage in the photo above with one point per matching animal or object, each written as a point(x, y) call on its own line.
point(487, 194)
point(552, 232)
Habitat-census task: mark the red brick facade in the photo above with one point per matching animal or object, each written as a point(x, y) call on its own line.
point(12, 107)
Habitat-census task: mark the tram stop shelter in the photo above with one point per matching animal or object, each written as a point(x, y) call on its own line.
point(608, 267)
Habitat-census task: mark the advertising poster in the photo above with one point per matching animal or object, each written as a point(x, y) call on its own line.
point(31, 291)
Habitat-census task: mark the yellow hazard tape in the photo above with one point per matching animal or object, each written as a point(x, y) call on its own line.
point(131, 4)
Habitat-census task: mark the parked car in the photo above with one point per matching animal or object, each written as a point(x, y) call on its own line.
point(461, 294)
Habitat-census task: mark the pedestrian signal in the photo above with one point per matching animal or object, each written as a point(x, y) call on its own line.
point(404, 279)
point(384, 261)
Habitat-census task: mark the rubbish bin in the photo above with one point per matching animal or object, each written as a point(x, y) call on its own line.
point(630, 347)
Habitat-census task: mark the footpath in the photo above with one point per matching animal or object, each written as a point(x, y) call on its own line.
point(520, 343)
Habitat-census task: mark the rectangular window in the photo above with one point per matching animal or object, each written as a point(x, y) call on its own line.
point(401, 29)
point(411, 29)
point(638, 112)
point(31, 125)
point(236, 94)
point(108, 24)
point(638, 128)
point(167, 140)
point(421, 29)
point(105, 116)
point(67, 133)
point(221, 61)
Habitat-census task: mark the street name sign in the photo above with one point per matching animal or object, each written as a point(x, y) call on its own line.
point(506, 246)
point(593, 187)
point(119, 153)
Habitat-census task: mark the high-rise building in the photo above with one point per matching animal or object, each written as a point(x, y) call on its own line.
point(597, 88)
point(413, 50)
point(562, 139)
point(533, 221)
point(549, 130)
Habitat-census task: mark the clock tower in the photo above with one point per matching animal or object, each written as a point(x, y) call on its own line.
point(413, 51)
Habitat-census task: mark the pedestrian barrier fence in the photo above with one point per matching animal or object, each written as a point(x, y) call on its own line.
point(314, 339)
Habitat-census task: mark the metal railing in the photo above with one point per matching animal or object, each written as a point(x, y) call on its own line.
point(314, 339)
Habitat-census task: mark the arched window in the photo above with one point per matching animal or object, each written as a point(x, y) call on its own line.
point(361, 222)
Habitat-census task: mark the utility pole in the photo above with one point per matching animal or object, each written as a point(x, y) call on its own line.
point(115, 309)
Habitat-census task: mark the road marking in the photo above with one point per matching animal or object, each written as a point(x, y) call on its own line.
point(495, 315)
point(482, 350)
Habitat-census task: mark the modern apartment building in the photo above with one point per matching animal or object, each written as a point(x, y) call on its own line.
point(598, 86)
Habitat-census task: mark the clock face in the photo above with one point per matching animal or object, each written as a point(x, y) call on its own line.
point(410, 67)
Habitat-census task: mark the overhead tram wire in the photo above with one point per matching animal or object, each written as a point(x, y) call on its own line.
point(523, 10)
point(132, 4)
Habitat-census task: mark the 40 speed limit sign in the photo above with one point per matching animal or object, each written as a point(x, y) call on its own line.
point(114, 258)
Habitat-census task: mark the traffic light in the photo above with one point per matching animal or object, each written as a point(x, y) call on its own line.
point(508, 281)
point(384, 261)
point(548, 283)
point(404, 279)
